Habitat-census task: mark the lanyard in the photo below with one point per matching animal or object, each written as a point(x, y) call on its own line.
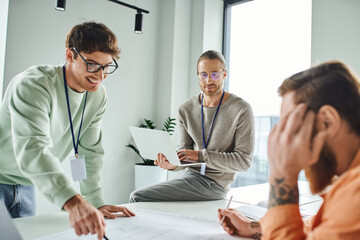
point(71, 124)
point(205, 143)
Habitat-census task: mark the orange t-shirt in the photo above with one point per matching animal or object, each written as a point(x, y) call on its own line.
point(337, 219)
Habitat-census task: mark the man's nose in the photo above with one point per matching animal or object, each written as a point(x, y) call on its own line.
point(208, 78)
point(101, 74)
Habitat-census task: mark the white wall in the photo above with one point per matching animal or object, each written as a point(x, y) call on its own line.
point(4, 7)
point(154, 68)
point(336, 32)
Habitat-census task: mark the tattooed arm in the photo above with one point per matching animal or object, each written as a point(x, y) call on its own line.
point(283, 192)
point(236, 223)
point(292, 146)
point(255, 225)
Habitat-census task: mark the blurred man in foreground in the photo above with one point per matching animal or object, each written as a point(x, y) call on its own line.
point(319, 131)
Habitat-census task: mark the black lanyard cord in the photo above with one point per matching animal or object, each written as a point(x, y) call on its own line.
point(205, 143)
point(70, 120)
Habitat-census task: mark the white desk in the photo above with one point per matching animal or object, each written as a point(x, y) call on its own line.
point(43, 225)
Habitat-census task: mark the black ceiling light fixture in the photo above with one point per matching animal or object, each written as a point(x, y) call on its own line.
point(60, 5)
point(138, 22)
point(138, 16)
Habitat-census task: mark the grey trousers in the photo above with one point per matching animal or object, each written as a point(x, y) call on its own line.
point(190, 187)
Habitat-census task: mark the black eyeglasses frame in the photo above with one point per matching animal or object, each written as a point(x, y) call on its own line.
point(100, 66)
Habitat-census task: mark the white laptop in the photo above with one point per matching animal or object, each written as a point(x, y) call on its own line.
point(150, 142)
point(7, 227)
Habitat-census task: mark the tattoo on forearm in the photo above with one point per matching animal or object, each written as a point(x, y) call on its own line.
point(281, 193)
point(256, 236)
point(255, 224)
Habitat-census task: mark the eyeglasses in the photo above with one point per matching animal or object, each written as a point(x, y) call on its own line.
point(95, 67)
point(213, 75)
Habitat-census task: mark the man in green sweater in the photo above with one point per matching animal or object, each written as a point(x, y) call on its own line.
point(48, 112)
point(217, 129)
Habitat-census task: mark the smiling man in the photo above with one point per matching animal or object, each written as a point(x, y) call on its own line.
point(50, 111)
point(216, 128)
point(319, 131)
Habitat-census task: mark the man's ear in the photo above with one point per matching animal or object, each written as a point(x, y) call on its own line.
point(328, 120)
point(69, 55)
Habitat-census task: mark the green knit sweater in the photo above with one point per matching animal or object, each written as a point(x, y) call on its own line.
point(35, 135)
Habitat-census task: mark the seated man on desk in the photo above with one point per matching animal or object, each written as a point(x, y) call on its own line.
point(216, 128)
point(319, 131)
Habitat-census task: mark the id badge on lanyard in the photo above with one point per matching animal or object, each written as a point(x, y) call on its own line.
point(77, 162)
point(78, 168)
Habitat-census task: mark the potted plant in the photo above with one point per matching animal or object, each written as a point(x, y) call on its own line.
point(146, 173)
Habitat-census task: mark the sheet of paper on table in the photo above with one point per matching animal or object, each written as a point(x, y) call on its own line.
point(253, 212)
point(154, 225)
point(256, 212)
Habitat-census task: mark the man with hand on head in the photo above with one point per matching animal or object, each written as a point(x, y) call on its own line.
point(319, 131)
point(50, 111)
point(216, 128)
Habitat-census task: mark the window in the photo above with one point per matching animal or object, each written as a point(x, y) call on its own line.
point(264, 42)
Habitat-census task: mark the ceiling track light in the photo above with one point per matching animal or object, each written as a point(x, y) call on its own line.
point(138, 16)
point(60, 5)
point(138, 22)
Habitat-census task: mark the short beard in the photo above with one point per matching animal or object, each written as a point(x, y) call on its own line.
point(218, 90)
point(321, 173)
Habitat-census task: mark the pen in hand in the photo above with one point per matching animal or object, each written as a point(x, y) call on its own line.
point(105, 238)
point(227, 207)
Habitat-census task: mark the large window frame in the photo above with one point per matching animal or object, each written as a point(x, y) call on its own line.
point(259, 170)
point(226, 31)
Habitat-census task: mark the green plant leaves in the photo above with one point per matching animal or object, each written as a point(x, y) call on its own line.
point(135, 150)
point(169, 125)
point(148, 124)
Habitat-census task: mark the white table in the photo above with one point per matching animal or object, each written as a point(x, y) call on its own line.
point(43, 225)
